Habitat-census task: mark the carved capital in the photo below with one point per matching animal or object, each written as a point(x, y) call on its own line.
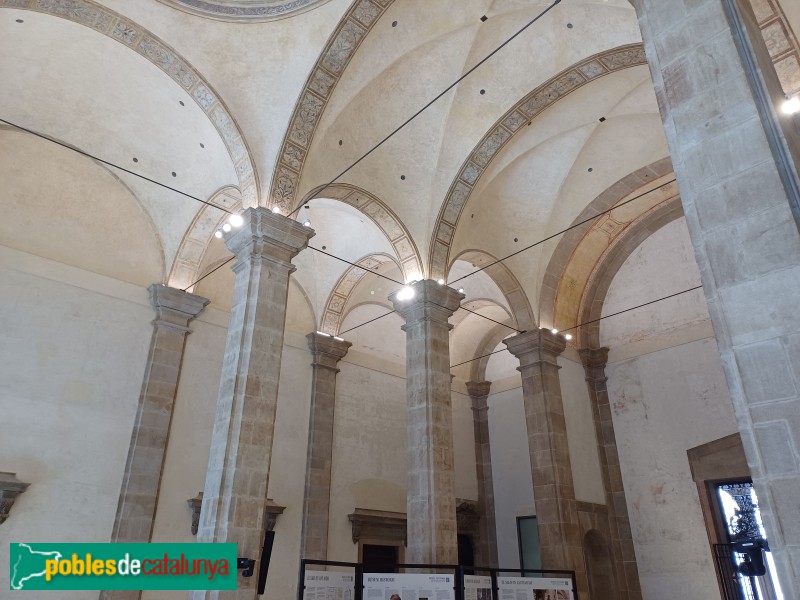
point(536, 347)
point(194, 505)
point(478, 392)
point(10, 488)
point(327, 350)
point(175, 308)
point(467, 516)
point(594, 363)
point(431, 302)
point(268, 235)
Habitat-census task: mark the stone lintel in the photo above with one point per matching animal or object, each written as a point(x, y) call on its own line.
point(327, 350)
point(535, 347)
point(269, 236)
point(378, 525)
point(174, 307)
point(10, 488)
point(431, 301)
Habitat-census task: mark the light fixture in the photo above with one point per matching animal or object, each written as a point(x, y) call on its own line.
point(323, 333)
point(406, 293)
point(226, 227)
point(276, 209)
point(440, 281)
point(568, 336)
point(554, 330)
point(307, 223)
point(218, 234)
point(792, 105)
point(336, 337)
point(460, 290)
point(236, 220)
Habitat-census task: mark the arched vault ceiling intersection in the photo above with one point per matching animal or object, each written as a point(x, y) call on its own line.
point(505, 129)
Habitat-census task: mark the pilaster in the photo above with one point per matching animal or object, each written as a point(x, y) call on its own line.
point(237, 479)
point(432, 526)
point(626, 571)
point(553, 489)
point(327, 351)
point(487, 542)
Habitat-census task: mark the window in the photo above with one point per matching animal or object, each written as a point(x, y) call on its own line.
point(528, 536)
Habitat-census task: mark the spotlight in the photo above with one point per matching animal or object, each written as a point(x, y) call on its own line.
point(226, 227)
point(406, 293)
point(440, 281)
point(236, 220)
point(791, 106)
point(307, 223)
point(217, 234)
point(460, 290)
point(276, 210)
point(554, 330)
point(568, 336)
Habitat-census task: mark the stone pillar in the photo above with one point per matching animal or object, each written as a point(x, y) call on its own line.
point(235, 494)
point(553, 490)
point(327, 352)
point(137, 500)
point(736, 164)
point(487, 544)
point(432, 527)
point(625, 569)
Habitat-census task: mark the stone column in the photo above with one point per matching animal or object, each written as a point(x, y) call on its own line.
point(432, 527)
point(235, 494)
point(138, 497)
point(327, 352)
point(625, 569)
point(736, 164)
point(553, 490)
point(487, 544)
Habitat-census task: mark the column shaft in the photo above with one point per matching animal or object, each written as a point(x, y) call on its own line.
point(327, 352)
point(553, 489)
point(432, 527)
point(237, 479)
point(487, 544)
point(625, 569)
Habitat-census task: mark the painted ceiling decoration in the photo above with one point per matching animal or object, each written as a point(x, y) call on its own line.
point(341, 46)
point(244, 10)
point(158, 52)
point(504, 129)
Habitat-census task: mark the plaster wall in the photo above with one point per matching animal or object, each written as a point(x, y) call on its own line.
point(73, 347)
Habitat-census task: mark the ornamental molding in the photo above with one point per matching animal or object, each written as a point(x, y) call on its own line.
point(158, 52)
point(341, 46)
point(522, 113)
point(252, 11)
point(10, 489)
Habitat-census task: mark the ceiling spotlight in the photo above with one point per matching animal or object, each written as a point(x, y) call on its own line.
point(217, 234)
point(554, 330)
point(276, 210)
point(460, 290)
point(226, 227)
point(440, 281)
point(406, 293)
point(307, 223)
point(568, 336)
point(236, 220)
point(791, 106)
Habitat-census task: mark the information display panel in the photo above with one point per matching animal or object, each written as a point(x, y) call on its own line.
point(402, 586)
point(329, 585)
point(477, 587)
point(534, 588)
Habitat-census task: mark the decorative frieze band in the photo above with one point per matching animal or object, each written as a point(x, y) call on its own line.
point(244, 10)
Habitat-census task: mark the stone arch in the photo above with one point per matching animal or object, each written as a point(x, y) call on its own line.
point(157, 51)
point(555, 283)
point(386, 220)
point(487, 345)
point(591, 306)
point(517, 299)
point(599, 565)
point(244, 12)
point(504, 129)
point(341, 46)
point(337, 301)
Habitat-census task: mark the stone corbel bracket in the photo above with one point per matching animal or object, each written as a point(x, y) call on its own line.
point(272, 512)
point(378, 525)
point(194, 505)
point(10, 488)
point(467, 516)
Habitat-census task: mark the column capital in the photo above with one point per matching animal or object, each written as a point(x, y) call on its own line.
point(535, 347)
point(269, 235)
point(593, 358)
point(431, 301)
point(478, 392)
point(326, 349)
point(174, 307)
